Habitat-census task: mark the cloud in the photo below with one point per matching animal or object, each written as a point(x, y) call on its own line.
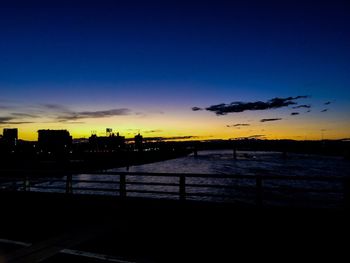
point(62, 113)
point(11, 121)
point(273, 119)
point(56, 107)
point(238, 125)
point(256, 136)
point(294, 113)
point(170, 138)
point(24, 115)
point(196, 109)
point(5, 119)
point(302, 106)
point(74, 122)
point(327, 103)
point(15, 122)
point(68, 116)
point(324, 110)
point(152, 131)
point(5, 107)
point(238, 106)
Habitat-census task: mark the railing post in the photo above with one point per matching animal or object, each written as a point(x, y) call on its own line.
point(26, 184)
point(14, 185)
point(122, 185)
point(69, 184)
point(182, 185)
point(259, 191)
point(347, 193)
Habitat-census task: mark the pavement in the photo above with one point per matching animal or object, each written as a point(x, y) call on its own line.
point(45, 227)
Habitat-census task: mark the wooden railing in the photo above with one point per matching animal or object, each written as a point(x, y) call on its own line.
point(260, 188)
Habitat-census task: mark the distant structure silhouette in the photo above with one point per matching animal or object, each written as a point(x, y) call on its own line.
point(138, 142)
point(10, 137)
point(54, 141)
point(107, 143)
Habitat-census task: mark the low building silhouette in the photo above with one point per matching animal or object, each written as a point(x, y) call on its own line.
point(107, 143)
point(54, 141)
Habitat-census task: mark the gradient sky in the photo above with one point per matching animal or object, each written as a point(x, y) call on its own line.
point(142, 65)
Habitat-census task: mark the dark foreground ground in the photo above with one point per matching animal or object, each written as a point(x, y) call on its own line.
point(164, 231)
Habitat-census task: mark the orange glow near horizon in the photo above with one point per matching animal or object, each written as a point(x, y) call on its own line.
point(199, 126)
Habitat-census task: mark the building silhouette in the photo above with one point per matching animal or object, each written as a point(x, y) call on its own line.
point(10, 137)
point(107, 143)
point(54, 141)
point(138, 142)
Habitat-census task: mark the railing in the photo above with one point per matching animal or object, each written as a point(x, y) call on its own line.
point(259, 189)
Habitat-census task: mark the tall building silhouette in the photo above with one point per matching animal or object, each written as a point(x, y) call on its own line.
point(10, 136)
point(138, 142)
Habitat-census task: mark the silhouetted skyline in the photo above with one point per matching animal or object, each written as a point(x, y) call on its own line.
point(176, 68)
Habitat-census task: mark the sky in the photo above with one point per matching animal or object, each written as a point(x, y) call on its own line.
point(191, 69)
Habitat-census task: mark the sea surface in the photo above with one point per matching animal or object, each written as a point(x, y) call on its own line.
point(221, 162)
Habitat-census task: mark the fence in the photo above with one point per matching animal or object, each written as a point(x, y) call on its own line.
point(258, 189)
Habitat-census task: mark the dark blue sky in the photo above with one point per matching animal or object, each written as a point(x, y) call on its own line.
point(214, 51)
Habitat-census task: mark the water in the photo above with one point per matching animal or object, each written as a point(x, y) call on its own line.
point(248, 163)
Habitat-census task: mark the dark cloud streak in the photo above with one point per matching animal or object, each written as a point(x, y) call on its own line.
point(68, 116)
point(12, 121)
point(302, 106)
point(238, 125)
point(239, 106)
point(196, 109)
point(24, 115)
point(272, 119)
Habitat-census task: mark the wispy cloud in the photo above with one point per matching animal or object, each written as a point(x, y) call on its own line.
point(327, 103)
point(272, 119)
point(5, 107)
point(12, 121)
point(255, 136)
point(171, 138)
point(238, 125)
point(306, 106)
point(152, 131)
point(24, 115)
point(325, 110)
point(294, 113)
point(68, 116)
point(239, 106)
point(5, 119)
point(55, 107)
point(53, 113)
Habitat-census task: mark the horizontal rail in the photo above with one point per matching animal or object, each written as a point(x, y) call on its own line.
point(152, 184)
point(153, 192)
point(226, 176)
point(47, 187)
